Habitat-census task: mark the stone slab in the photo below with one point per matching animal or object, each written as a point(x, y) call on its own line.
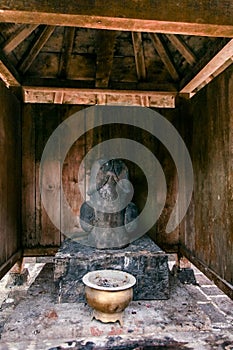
point(142, 258)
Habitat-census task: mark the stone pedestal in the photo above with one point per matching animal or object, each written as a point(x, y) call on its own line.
point(142, 258)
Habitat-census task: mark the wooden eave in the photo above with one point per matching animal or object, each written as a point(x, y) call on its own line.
point(202, 18)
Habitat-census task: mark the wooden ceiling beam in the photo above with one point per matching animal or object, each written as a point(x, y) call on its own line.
point(105, 41)
point(183, 48)
point(159, 99)
point(139, 55)
point(163, 52)
point(206, 18)
point(40, 41)
point(8, 73)
point(67, 46)
point(20, 35)
point(89, 84)
point(215, 66)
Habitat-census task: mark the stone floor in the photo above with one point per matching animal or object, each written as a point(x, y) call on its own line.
point(195, 317)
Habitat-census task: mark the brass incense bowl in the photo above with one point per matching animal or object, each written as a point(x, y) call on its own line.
point(108, 292)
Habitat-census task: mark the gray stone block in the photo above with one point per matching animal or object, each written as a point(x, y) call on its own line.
point(142, 258)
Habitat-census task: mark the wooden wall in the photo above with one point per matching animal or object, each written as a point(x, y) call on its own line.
point(38, 122)
point(207, 233)
point(10, 179)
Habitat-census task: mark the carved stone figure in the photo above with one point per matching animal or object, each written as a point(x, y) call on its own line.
point(109, 217)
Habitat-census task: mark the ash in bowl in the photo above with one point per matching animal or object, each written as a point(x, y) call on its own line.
point(108, 281)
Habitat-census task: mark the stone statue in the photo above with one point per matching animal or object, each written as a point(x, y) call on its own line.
point(109, 217)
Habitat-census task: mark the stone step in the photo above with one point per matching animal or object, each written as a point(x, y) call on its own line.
point(142, 258)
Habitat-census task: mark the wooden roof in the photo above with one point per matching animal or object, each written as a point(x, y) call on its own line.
point(93, 52)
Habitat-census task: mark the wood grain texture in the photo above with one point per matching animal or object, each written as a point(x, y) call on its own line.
point(207, 73)
point(208, 228)
point(37, 127)
point(45, 119)
point(33, 94)
point(139, 55)
point(67, 47)
point(183, 48)
point(194, 18)
point(105, 41)
point(20, 35)
point(161, 47)
point(10, 178)
point(28, 177)
point(8, 73)
point(40, 41)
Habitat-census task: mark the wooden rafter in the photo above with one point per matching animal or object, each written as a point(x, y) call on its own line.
point(139, 55)
point(161, 48)
point(214, 67)
point(34, 94)
point(40, 41)
point(8, 73)
point(21, 34)
point(105, 41)
point(208, 18)
point(183, 48)
point(67, 46)
point(211, 51)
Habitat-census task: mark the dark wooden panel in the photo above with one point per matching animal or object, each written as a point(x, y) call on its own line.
point(28, 177)
point(39, 122)
point(208, 230)
point(10, 179)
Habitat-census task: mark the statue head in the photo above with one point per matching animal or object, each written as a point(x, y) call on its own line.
point(106, 175)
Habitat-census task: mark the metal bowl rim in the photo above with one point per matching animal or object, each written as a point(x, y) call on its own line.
point(129, 284)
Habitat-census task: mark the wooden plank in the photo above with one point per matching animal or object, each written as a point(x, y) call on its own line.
point(139, 55)
point(210, 51)
point(101, 99)
point(58, 98)
point(207, 236)
point(205, 18)
point(160, 47)
point(10, 174)
point(28, 177)
point(87, 84)
point(40, 251)
point(183, 48)
point(10, 262)
point(47, 234)
point(97, 91)
point(20, 35)
point(67, 46)
point(70, 176)
point(41, 39)
point(104, 49)
point(145, 101)
point(134, 97)
point(8, 73)
point(209, 71)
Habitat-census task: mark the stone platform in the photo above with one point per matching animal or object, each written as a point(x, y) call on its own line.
point(142, 258)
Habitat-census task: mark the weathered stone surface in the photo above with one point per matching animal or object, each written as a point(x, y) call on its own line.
point(17, 279)
point(142, 258)
point(185, 275)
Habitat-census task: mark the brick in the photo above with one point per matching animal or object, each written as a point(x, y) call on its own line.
point(212, 290)
point(212, 312)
